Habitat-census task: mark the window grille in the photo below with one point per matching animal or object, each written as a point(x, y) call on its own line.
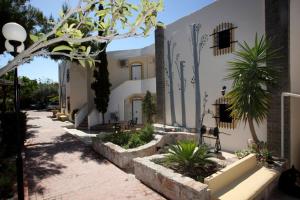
point(223, 39)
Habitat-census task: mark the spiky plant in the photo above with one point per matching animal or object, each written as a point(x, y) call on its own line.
point(253, 70)
point(188, 155)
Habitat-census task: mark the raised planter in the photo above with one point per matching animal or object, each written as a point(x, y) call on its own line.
point(123, 158)
point(242, 179)
point(167, 182)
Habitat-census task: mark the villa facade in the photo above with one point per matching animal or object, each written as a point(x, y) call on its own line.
point(188, 62)
point(193, 62)
point(131, 73)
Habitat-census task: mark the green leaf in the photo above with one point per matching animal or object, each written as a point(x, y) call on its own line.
point(88, 50)
point(82, 62)
point(62, 48)
point(34, 38)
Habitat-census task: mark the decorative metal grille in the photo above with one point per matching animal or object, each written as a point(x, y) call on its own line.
point(223, 39)
point(222, 116)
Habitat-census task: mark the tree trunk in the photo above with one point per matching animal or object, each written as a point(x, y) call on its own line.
point(252, 130)
point(103, 122)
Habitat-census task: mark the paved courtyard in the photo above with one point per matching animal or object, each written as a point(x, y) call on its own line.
point(59, 166)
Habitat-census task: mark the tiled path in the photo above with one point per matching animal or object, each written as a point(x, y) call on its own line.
point(59, 166)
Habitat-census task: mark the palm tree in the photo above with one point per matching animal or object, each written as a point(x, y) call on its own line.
point(253, 70)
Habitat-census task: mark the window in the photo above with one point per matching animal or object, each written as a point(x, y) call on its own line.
point(223, 118)
point(223, 39)
point(136, 72)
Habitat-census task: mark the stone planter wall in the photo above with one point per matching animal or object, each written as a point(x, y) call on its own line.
point(165, 181)
point(123, 157)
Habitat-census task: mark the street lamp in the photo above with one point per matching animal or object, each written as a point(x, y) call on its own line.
point(15, 35)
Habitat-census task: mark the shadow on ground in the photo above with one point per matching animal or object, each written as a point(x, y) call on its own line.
point(40, 162)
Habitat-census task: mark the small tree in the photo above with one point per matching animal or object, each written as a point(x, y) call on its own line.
point(134, 21)
point(101, 85)
point(149, 107)
point(252, 71)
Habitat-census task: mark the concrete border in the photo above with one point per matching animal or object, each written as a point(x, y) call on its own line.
point(167, 182)
point(123, 157)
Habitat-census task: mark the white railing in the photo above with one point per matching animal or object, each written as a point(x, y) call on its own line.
point(81, 114)
point(94, 118)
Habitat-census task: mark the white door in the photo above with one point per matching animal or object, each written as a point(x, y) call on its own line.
point(137, 111)
point(136, 72)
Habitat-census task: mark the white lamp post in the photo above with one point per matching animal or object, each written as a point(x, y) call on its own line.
point(15, 35)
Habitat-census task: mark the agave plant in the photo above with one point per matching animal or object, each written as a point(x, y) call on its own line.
point(253, 70)
point(188, 155)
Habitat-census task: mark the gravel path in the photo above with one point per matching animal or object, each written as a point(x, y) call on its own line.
point(58, 166)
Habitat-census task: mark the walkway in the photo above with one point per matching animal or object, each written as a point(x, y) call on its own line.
point(58, 166)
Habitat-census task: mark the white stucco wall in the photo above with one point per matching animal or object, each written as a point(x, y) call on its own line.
point(78, 85)
point(248, 17)
point(295, 81)
point(125, 90)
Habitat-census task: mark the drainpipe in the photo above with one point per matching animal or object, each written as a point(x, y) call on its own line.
point(284, 94)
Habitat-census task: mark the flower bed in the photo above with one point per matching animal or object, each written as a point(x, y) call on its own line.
point(167, 182)
point(123, 157)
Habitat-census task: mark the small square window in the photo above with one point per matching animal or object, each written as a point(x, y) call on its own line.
point(224, 39)
point(225, 113)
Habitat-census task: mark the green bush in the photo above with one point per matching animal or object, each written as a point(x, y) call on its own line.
point(146, 134)
point(188, 155)
point(120, 139)
point(134, 141)
point(189, 159)
point(131, 139)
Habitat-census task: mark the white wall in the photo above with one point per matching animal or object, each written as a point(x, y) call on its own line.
point(249, 18)
point(122, 92)
point(295, 80)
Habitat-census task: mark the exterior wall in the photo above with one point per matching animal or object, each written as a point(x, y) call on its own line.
point(75, 87)
point(119, 75)
point(213, 69)
point(295, 81)
point(78, 85)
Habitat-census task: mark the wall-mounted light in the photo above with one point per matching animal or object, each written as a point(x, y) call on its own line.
point(223, 91)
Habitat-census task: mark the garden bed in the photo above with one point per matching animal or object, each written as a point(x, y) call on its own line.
point(238, 177)
point(123, 157)
point(167, 182)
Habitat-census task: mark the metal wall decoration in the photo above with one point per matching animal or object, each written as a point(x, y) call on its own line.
point(169, 73)
point(180, 64)
point(223, 31)
point(197, 46)
point(222, 114)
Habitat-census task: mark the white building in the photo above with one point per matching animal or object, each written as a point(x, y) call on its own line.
point(195, 58)
point(190, 60)
point(131, 73)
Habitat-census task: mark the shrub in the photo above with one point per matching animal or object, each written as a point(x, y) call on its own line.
point(120, 139)
point(134, 141)
point(131, 139)
point(147, 133)
point(263, 155)
point(189, 159)
point(187, 155)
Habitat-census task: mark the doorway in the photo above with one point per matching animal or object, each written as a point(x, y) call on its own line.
point(136, 72)
point(137, 111)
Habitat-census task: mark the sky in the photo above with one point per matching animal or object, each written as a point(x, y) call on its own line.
point(43, 68)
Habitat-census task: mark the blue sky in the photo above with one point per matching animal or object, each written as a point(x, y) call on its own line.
point(42, 68)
